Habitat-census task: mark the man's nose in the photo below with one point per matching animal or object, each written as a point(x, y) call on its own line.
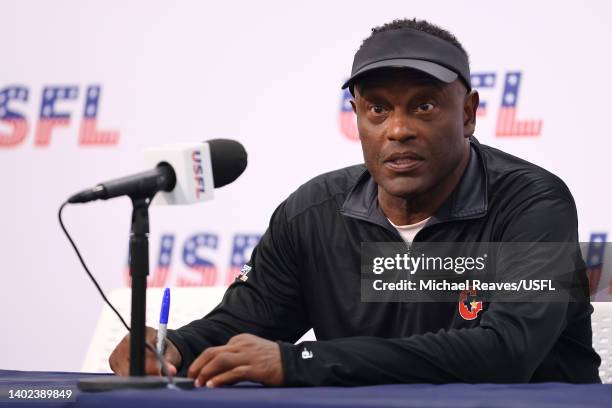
point(401, 128)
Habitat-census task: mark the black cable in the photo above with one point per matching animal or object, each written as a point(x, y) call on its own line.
point(59, 215)
point(159, 356)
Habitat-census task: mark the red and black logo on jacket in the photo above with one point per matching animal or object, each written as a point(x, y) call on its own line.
point(469, 306)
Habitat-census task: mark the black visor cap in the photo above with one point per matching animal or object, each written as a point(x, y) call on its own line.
point(409, 48)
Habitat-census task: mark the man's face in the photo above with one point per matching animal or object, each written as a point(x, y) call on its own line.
point(413, 129)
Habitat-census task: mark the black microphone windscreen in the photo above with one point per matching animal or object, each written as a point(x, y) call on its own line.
point(228, 158)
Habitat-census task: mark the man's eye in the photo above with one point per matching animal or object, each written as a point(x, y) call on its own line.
point(425, 107)
point(377, 109)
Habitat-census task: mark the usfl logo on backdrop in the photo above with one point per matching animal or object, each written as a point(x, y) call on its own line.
point(196, 265)
point(507, 121)
point(15, 126)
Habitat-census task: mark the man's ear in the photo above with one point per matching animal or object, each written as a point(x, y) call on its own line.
point(470, 105)
point(355, 93)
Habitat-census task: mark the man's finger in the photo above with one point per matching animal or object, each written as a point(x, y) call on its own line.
point(221, 363)
point(119, 367)
point(204, 358)
point(236, 374)
point(171, 368)
point(119, 358)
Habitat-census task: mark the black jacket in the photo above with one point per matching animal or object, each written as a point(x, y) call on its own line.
point(306, 273)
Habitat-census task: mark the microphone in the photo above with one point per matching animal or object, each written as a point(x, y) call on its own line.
point(181, 174)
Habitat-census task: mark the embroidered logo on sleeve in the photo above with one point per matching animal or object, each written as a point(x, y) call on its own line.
point(244, 271)
point(306, 354)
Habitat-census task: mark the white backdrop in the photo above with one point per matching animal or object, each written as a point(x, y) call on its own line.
point(267, 74)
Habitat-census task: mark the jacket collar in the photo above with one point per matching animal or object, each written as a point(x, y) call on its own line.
point(468, 200)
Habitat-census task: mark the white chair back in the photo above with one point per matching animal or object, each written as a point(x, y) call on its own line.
point(601, 321)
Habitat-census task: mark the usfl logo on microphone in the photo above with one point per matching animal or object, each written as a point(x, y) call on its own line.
point(198, 172)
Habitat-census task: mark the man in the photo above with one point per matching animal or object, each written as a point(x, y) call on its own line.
point(425, 179)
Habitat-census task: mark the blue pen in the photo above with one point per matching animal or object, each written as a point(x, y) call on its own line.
point(163, 321)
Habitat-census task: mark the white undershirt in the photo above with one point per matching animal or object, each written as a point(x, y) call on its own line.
point(408, 232)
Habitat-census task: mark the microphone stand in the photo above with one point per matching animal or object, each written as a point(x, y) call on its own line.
point(139, 270)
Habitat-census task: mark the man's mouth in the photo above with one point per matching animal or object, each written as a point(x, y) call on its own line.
point(403, 162)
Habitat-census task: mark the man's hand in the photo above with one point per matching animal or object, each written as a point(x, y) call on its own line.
point(119, 359)
point(244, 358)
